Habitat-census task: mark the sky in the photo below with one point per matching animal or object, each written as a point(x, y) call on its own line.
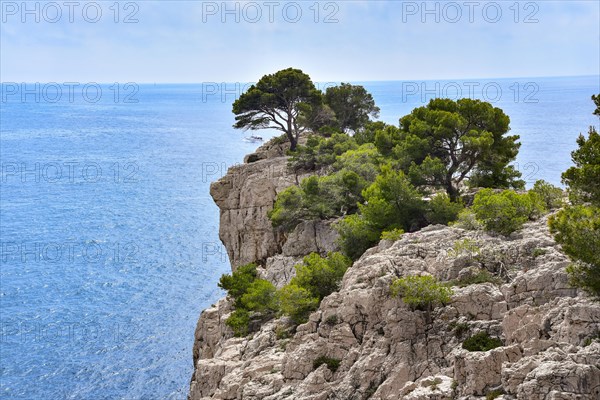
point(214, 41)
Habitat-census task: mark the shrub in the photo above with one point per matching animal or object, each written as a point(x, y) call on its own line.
point(551, 195)
point(394, 234)
point(250, 295)
point(582, 179)
point(441, 210)
point(356, 235)
point(538, 252)
point(238, 282)
point(332, 363)
point(364, 160)
point(392, 202)
point(460, 329)
point(296, 302)
point(466, 219)
point(321, 276)
point(318, 198)
point(507, 211)
point(367, 133)
point(465, 246)
point(289, 209)
point(320, 152)
point(481, 342)
point(421, 292)
point(238, 321)
point(493, 394)
point(260, 297)
point(577, 229)
point(482, 276)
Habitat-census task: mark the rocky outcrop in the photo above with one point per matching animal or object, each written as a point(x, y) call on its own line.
point(246, 194)
point(386, 350)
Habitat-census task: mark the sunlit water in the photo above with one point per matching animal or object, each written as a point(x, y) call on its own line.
point(110, 239)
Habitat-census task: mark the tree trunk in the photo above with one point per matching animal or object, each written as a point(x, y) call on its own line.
point(453, 192)
point(290, 134)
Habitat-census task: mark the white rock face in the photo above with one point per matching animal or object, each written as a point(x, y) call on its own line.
point(385, 350)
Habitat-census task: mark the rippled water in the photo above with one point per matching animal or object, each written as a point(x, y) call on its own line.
point(110, 239)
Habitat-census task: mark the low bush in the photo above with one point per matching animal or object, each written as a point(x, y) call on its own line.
point(239, 321)
point(577, 229)
point(394, 234)
point(318, 198)
point(441, 210)
point(238, 282)
point(507, 211)
point(482, 276)
point(356, 235)
point(481, 342)
point(551, 195)
point(466, 219)
point(250, 295)
point(315, 278)
point(332, 363)
point(296, 302)
point(321, 276)
point(421, 292)
point(464, 247)
point(319, 151)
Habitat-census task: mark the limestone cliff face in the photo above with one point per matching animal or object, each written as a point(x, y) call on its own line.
point(387, 351)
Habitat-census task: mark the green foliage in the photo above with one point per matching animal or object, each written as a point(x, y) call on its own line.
point(296, 302)
point(596, 100)
point(467, 220)
point(442, 210)
point(250, 295)
point(282, 332)
point(260, 297)
point(458, 138)
point(321, 276)
point(482, 276)
point(394, 234)
point(493, 394)
point(465, 246)
point(481, 342)
point(392, 202)
point(364, 160)
point(538, 252)
point(551, 195)
point(460, 328)
point(315, 278)
point(507, 211)
point(367, 133)
point(276, 101)
point(238, 321)
point(290, 209)
point(318, 198)
point(319, 152)
point(352, 105)
point(421, 292)
point(356, 235)
point(583, 179)
point(332, 363)
point(577, 229)
point(238, 282)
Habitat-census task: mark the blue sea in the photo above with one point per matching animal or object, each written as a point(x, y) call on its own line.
point(109, 237)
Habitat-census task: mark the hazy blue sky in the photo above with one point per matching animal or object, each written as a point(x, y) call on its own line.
point(194, 41)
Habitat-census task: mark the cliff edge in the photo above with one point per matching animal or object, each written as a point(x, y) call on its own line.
point(377, 347)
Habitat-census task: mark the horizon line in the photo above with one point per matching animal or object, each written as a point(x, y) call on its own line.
point(317, 81)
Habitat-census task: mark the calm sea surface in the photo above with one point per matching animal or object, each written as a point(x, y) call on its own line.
point(109, 238)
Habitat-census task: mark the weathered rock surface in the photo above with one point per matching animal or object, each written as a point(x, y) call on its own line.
point(246, 194)
point(386, 350)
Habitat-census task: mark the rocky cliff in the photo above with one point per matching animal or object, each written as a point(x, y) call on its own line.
point(385, 350)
